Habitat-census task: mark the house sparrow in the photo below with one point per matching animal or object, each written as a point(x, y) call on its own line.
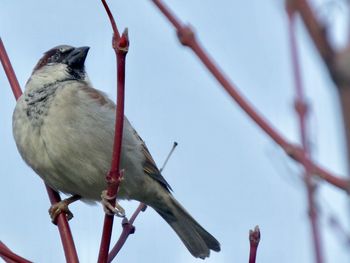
point(64, 130)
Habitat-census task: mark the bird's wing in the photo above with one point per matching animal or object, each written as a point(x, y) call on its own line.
point(149, 166)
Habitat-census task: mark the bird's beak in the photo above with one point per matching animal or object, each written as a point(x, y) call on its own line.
point(76, 57)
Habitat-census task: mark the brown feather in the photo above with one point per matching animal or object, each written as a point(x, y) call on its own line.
point(150, 167)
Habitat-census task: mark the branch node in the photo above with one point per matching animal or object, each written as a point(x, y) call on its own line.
point(301, 107)
point(291, 7)
point(254, 236)
point(144, 208)
point(186, 35)
point(114, 178)
point(128, 226)
point(121, 45)
point(294, 151)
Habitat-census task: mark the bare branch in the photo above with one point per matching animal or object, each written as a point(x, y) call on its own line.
point(187, 38)
point(301, 109)
point(120, 46)
point(254, 239)
point(8, 256)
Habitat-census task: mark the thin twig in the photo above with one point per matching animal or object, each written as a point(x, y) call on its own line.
point(111, 19)
point(64, 229)
point(301, 108)
point(168, 157)
point(187, 38)
point(315, 29)
point(11, 76)
point(331, 58)
point(254, 239)
point(120, 46)
point(329, 55)
point(62, 223)
point(128, 229)
point(9, 256)
point(7, 260)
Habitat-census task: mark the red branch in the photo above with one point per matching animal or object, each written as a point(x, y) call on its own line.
point(330, 57)
point(128, 229)
point(111, 19)
point(62, 223)
point(8, 256)
point(316, 31)
point(187, 38)
point(64, 229)
point(254, 239)
point(120, 46)
point(301, 108)
point(11, 76)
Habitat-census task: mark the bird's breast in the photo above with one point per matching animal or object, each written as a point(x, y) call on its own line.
point(38, 102)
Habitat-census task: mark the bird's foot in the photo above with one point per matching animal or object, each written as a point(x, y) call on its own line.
point(62, 207)
point(109, 209)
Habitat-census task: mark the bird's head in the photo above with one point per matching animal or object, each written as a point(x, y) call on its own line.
point(61, 63)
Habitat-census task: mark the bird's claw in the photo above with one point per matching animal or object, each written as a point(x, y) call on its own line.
point(58, 208)
point(108, 208)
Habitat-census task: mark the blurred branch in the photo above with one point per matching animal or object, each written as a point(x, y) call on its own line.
point(187, 38)
point(120, 46)
point(8, 256)
point(315, 29)
point(254, 239)
point(62, 223)
point(337, 62)
point(301, 108)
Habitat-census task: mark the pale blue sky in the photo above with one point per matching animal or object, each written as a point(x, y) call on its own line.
point(226, 171)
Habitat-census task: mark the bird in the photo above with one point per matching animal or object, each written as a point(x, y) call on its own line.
point(64, 130)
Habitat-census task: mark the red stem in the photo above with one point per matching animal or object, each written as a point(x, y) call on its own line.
point(62, 223)
point(128, 229)
point(8, 256)
point(11, 76)
point(317, 32)
point(187, 38)
point(301, 108)
point(318, 35)
point(120, 46)
point(64, 229)
point(114, 172)
point(111, 19)
point(7, 260)
point(337, 181)
point(142, 207)
point(254, 239)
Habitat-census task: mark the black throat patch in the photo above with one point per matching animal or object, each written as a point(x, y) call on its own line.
point(39, 100)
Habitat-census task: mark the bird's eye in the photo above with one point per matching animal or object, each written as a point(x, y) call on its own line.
point(56, 56)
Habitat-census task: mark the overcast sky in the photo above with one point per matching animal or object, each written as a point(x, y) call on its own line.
point(225, 171)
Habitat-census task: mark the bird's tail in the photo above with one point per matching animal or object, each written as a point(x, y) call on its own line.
point(197, 240)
